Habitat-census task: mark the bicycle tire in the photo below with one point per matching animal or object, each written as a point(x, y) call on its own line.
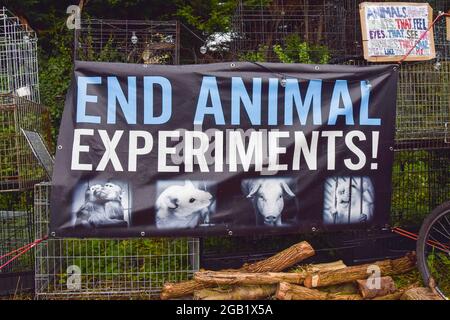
point(439, 212)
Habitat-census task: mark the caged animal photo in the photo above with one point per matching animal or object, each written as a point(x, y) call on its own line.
point(270, 197)
point(348, 200)
point(183, 204)
point(102, 205)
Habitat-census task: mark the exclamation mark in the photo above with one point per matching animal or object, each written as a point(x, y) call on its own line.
point(375, 138)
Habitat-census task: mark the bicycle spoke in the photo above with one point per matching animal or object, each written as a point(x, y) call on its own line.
point(444, 229)
point(441, 233)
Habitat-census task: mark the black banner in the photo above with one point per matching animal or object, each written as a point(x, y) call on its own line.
point(224, 149)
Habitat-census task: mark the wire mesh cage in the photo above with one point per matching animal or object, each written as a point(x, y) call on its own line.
point(131, 41)
point(324, 30)
point(106, 268)
point(113, 268)
point(19, 169)
point(261, 30)
point(18, 58)
point(16, 230)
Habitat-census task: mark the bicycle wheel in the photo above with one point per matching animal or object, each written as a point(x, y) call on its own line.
point(433, 250)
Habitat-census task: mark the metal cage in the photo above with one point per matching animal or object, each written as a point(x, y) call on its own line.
point(113, 268)
point(130, 41)
point(18, 58)
point(106, 268)
point(16, 230)
point(257, 28)
point(19, 169)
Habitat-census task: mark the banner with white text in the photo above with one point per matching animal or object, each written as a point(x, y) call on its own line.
point(223, 149)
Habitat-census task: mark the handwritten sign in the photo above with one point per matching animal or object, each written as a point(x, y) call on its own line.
point(391, 29)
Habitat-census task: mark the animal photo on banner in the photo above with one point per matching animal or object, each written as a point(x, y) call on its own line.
point(98, 204)
point(273, 199)
point(184, 204)
point(348, 200)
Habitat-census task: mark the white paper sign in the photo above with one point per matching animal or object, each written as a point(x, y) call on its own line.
point(391, 29)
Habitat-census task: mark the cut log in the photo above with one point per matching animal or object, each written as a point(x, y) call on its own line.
point(397, 294)
point(236, 293)
point(288, 291)
point(279, 262)
point(321, 267)
point(392, 296)
point(247, 278)
point(282, 260)
point(180, 289)
point(349, 274)
point(420, 293)
point(376, 287)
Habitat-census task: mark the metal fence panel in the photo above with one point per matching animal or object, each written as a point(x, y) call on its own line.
point(109, 268)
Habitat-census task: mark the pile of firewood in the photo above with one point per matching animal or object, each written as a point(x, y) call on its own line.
point(265, 280)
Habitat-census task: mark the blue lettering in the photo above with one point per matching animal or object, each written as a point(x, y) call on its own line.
point(209, 89)
point(341, 91)
point(166, 90)
point(83, 98)
point(115, 93)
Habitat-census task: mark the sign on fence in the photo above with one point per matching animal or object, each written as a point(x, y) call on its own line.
point(227, 149)
point(391, 29)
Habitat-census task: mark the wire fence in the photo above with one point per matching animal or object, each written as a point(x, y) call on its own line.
point(106, 268)
point(112, 268)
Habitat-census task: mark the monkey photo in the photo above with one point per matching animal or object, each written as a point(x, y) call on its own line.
point(102, 207)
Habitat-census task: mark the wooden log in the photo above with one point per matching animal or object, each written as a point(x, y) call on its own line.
point(349, 274)
point(420, 293)
point(288, 291)
point(321, 267)
point(236, 293)
point(397, 294)
point(392, 296)
point(180, 289)
point(282, 260)
point(385, 286)
point(246, 278)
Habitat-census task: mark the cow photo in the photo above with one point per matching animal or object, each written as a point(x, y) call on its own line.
point(348, 200)
point(183, 204)
point(274, 200)
point(101, 205)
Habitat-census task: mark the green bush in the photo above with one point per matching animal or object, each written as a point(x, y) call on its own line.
point(297, 51)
